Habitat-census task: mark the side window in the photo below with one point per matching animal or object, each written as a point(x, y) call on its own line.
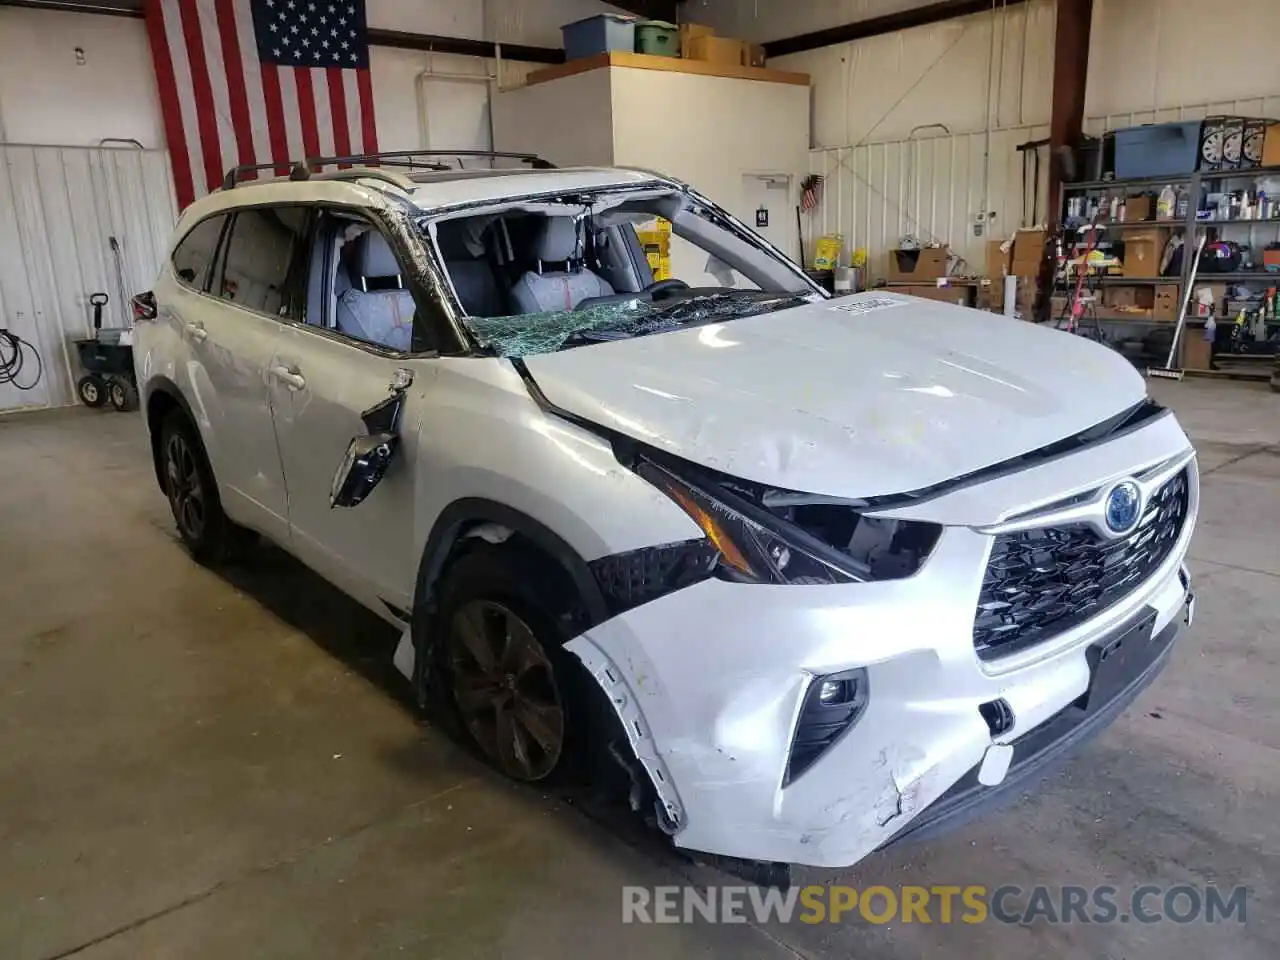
point(261, 265)
point(367, 295)
point(193, 257)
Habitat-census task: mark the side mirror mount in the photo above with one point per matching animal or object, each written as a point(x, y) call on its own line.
point(363, 466)
point(144, 306)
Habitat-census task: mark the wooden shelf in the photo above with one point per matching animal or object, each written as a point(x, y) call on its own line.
point(644, 61)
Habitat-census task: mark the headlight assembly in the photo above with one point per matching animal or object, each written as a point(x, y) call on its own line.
point(811, 543)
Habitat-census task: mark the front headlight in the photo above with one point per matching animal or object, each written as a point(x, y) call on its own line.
point(801, 543)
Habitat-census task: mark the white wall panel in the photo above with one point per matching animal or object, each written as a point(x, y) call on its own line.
point(881, 88)
point(930, 188)
point(59, 209)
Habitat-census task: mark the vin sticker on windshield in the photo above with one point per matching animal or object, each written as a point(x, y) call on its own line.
point(866, 306)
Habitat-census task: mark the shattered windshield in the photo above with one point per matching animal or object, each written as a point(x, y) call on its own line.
point(524, 335)
point(540, 276)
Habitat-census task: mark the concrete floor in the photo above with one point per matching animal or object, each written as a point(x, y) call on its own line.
point(194, 765)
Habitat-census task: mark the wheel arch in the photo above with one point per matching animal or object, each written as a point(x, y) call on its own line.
point(462, 517)
point(163, 396)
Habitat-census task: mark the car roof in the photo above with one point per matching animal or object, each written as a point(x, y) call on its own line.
point(385, 187)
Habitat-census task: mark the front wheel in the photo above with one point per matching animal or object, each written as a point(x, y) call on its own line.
point(522, 699)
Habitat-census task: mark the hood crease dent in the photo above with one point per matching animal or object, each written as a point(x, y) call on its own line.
point(854, 406)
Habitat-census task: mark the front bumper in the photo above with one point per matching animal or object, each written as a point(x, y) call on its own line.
point(709, 681)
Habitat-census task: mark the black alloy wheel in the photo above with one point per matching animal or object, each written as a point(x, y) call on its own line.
point(187, 495)
point(505, 689)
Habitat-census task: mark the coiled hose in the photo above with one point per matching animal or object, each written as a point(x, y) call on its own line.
point(14, 354)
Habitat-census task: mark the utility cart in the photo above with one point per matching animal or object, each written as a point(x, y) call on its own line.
point(107, 357)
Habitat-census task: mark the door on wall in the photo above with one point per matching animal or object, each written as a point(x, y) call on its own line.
point(75, 221)
point(769, 210)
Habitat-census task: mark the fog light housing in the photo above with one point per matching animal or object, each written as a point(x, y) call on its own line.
point(832, 705)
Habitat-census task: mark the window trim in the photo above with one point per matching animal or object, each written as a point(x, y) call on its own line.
point(227, 216)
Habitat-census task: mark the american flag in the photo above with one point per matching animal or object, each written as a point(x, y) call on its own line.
point(259, 81)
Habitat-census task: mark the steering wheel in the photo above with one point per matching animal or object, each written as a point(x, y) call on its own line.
point(671, 284)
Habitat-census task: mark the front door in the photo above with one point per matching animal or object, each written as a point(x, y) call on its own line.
point(320, 385)
point(336, 363)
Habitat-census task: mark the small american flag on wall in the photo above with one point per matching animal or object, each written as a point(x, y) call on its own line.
point(259, 81)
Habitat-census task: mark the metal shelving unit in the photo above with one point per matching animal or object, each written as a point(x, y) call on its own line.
point(1195, 185)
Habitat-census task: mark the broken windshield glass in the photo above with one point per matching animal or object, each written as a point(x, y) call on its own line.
point(529, 334)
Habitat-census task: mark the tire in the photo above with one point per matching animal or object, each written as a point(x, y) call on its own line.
point(513, 691)
point(208, 534)
point(92, 390)
point(123, 395)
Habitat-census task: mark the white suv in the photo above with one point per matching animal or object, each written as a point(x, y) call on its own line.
point(819, 573)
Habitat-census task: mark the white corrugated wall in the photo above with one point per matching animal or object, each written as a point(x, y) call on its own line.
point(60, 208)
point(877, 104)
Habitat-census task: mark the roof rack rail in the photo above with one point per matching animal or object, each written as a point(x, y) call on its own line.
point(407, 158)
point(303, 169)
point(297, 171)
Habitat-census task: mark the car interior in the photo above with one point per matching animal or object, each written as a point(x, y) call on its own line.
point(356, 285)
point(518, 262)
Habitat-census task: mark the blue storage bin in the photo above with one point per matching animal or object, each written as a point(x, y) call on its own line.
point(1158, 150)
point(599, 34)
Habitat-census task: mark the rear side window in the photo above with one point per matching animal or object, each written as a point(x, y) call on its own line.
point(193, 257)
point(265, 257)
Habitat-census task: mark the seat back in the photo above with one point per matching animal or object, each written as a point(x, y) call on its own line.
point(375, 306)
point(473, 276)
point(546, 289)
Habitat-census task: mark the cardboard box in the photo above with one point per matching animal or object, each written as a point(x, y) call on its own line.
point(962, 294)
point(1028, 253)
point(1142, 251)
point(722, 50)
point(998, 260)
point(1271, 146)
point(755, 56)
point(1232, 142)
point(1167, 301)
point(1211, 132)
point(1197, 352)
point(1137, 300)
point(1271, 258)
point(1137, 209)
point(1024, 299)
point(690, 32)
point(915, 265)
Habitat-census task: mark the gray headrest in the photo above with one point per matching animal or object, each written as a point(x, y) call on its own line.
point(559, 240)
point(371, 257)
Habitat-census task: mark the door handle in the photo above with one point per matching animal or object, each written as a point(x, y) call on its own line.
point(290, 378)
point(197, 332)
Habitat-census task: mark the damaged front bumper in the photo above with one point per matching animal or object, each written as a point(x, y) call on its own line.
point(710, 681)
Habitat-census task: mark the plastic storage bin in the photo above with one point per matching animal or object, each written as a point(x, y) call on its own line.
point(1158, 150)
point(599, 34)
point(658, 38)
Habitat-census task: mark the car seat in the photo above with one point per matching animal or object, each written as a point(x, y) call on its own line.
point(473, 277)
point(540, 290)
point(373, 304)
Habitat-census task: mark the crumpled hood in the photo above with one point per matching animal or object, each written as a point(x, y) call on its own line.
point(863, 396)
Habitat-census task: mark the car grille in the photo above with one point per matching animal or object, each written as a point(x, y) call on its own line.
point(1041, 582)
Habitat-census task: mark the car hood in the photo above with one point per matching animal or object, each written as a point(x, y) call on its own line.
point(863, 396)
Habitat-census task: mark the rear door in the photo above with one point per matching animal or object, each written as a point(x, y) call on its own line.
point(234, 334)
point(321, 380)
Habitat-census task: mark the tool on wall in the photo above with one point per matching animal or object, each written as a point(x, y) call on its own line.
point(121, 291)
point(1169, 371)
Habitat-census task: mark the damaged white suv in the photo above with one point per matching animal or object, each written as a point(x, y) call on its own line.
point(821, 573)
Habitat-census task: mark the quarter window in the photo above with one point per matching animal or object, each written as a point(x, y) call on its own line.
point(193, 257)
point(261, 259)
